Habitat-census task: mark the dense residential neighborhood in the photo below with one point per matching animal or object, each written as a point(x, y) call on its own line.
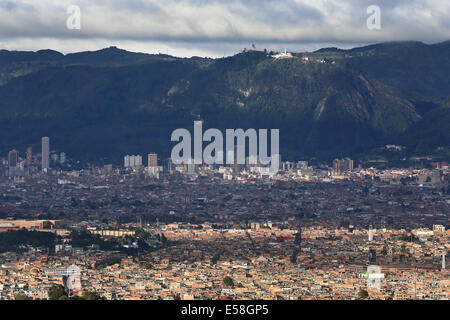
point(307, 233)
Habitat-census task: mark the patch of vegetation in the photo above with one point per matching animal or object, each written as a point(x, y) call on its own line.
point(228, 281)
point(107, 262)
point(15, 241)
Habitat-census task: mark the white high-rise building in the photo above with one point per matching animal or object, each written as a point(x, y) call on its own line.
point(132, 161)
point(370, 233)
point(138, 161)
point(126, 161)
point(45, 163)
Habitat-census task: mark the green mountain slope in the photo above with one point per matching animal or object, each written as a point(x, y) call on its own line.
point(101, 105)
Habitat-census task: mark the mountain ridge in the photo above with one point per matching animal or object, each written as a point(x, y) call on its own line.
point(339, 102)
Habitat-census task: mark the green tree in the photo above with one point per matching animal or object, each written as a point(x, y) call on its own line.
point(148, 265)
point(89, 295)
point(176, 297)
point(56, 292)
point(22, 296)
point(228, 281)
point(363, 294)
point(403, 249)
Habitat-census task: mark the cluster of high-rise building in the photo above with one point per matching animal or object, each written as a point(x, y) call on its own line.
point(342, 165)
point(132, 161)
point(17, 166)
point(136, 161)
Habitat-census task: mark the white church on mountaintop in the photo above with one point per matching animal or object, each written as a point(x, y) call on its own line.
point(283, 55)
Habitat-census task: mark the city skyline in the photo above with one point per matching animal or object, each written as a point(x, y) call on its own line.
point(241, 158)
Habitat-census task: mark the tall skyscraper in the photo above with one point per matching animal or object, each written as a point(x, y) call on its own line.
point(338, 166)
point(62, 158)
point(348, 164)
point(29, 156)
point(152, 160)
point(370, 233)
point(13, 158)
point(138, 161)
point(126, 161)
point(45, 162)
point(170, 165)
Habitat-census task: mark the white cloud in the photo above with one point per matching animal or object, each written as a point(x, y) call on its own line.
point(212, 27)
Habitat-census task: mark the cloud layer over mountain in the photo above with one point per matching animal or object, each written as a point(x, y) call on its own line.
point(188, 27)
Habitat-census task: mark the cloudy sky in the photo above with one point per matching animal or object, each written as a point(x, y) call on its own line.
point(217, 27)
